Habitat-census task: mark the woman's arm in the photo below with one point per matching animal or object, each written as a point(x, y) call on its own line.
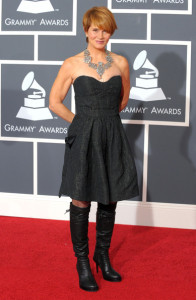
point(124, 68)
point(59, 91)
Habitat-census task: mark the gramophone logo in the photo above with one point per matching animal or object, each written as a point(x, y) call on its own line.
point(146, 88)
point(34, 104)
point(35, 6)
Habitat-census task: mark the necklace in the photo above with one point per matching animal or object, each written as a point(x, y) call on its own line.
point(100, 67)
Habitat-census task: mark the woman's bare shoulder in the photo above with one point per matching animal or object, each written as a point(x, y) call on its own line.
point(71, 64)
point(73, 60)
point(120, 60)
point(122, 63)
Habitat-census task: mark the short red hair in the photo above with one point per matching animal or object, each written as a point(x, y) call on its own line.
point(101, 17)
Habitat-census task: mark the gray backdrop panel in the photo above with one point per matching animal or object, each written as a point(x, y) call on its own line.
point(11, 17)
point(150, 4)
point(172, 163)
point(13, 99)
point(174, 27)
point(135, 135)
point(17, 47)
point(16, 171)
point(50, 165)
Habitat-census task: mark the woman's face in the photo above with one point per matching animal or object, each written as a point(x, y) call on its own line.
point(97, 37)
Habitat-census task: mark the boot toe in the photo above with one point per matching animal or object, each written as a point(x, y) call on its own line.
point(88, 284)
point(86, 279)
point(112, 276)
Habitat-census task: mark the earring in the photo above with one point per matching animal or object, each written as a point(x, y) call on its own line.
point(86, 38)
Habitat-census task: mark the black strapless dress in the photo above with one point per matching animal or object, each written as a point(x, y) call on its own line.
point(98, 162)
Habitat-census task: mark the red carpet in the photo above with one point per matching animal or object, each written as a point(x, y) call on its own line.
point(37, 262)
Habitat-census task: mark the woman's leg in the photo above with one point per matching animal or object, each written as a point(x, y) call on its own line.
point(79, 214)
point(80, 203)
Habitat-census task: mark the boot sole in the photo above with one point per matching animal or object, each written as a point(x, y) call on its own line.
point(112, 280)
point(89, 289)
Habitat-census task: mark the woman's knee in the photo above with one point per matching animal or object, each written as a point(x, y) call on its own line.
point(80, 203)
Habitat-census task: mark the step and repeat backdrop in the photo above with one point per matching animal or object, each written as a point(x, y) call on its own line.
point(158, 39)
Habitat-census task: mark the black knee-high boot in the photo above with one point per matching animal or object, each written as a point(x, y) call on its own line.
point(79, 235)
point(105, 219)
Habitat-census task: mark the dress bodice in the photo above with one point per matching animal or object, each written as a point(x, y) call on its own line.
point(93, 94)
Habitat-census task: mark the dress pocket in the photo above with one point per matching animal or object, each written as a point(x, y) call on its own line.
point(69, 140)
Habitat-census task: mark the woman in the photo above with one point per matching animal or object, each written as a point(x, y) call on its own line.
point(98, 164)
